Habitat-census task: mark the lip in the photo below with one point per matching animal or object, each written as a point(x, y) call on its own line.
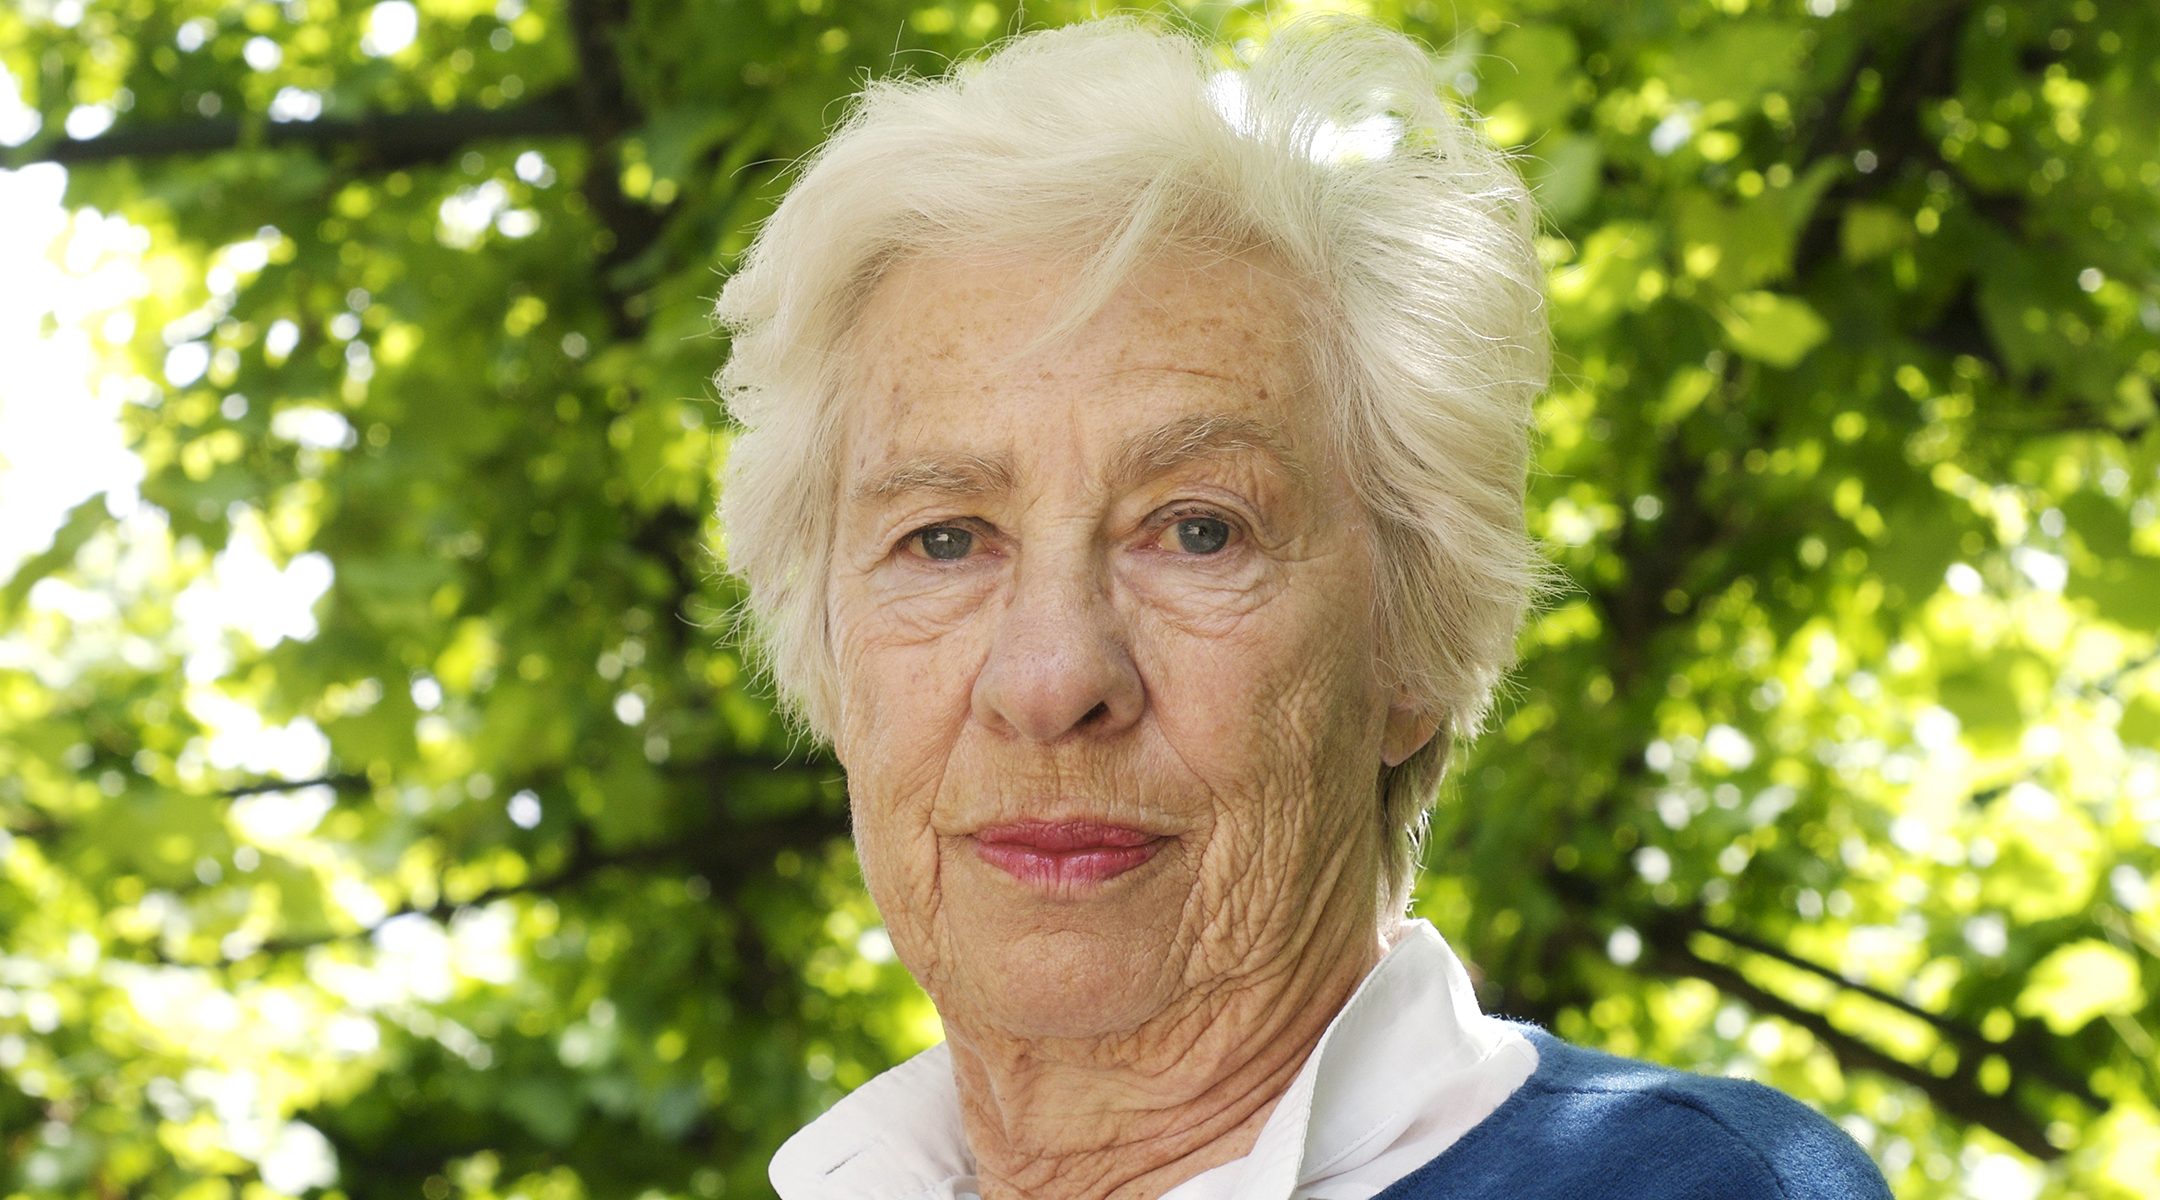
point(1060, 855)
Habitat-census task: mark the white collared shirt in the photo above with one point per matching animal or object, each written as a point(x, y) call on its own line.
point(1406, 1068)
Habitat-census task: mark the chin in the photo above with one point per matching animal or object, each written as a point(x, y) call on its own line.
point(1063, 984)
point(1043, 966)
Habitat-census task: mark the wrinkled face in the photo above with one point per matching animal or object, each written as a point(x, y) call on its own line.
point(1110, 705)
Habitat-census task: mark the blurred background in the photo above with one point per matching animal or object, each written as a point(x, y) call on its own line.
point(383, 811)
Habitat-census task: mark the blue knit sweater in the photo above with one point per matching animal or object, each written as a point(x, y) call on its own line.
point(1589, 1126)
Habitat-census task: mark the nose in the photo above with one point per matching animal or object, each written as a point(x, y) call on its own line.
point(1060, 663)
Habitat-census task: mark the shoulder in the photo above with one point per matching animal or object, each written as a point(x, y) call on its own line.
point(1588, 1124)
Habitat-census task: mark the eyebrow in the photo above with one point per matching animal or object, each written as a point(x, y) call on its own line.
point(1159, 450)
point(947, 474)
point(1201, 435)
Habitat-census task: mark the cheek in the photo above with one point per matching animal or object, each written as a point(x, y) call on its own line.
point(902, 710)
point(898, 730)
point(1242, 668)
point(1206, 604)
point(1279, 716)
point(901, 607)
point(904, 701)
point(905, 653)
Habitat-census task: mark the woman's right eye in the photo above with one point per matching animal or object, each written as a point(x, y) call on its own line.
point(943, 543)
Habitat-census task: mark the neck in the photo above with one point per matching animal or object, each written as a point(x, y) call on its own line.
point(1130, 1116)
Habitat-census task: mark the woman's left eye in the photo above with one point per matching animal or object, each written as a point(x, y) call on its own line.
point(1196, 535)
point(941, 543)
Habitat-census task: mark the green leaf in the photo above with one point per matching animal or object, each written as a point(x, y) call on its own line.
point(2123, 590)
point(2099, 522)
point(1527, 86)
point(1605, 279)
point(1735, 62)
point(82, 523)
point(1778, 330)
point(1565, 172)
point(2081, 981)
point(1869, 231)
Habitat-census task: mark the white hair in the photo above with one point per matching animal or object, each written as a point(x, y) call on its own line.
point(1336, 154)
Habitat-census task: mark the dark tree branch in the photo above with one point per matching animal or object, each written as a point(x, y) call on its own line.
point(2016, 1051)
point(42, 827)
point(1925, 67)
point(1959, 1094)
point(2112, 683)
point(381, 140)
point(36, 828)
point(606, 111)
point(737, 851)
point(348, 781)
point(339, 782)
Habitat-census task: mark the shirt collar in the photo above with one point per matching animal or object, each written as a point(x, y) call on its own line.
point(1353, 1099)
point(897, 1137)
point(900, 1136)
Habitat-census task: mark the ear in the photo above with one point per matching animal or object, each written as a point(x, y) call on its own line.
point(1408, 729)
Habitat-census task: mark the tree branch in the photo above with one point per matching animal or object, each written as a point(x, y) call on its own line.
point(340, 782)
point(383, 140)
point(1971, 1039)
point(1957, 1095)
point(736, 854)
point(37, 828)
point(605, 112)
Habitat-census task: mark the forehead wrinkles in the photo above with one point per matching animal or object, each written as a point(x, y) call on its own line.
point(938, 334)
point(1039, 312)
point(1152, 453)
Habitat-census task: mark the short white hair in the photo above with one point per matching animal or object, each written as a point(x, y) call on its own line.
point(1335, 153)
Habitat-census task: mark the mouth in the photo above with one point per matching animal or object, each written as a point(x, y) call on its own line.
point(1058, 855)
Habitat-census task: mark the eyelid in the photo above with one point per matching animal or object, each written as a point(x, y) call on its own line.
point(1168, 517)
point(905, 543)
point(1186, 509)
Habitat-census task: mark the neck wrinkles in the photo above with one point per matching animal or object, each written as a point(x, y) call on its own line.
point(1132, 1116)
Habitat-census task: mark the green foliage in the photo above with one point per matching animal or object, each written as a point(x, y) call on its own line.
point(498, 878)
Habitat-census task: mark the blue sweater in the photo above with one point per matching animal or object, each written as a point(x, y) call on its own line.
point(1589, 1126)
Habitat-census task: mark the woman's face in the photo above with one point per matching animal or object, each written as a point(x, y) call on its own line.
point(1103, 617)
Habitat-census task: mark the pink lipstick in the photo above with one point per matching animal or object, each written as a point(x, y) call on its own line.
point(1059, 854)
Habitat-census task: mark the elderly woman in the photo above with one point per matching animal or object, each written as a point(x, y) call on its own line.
point(1130, 490)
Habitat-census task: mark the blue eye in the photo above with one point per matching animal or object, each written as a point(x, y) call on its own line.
point(1201, 535)
point(944, 543)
